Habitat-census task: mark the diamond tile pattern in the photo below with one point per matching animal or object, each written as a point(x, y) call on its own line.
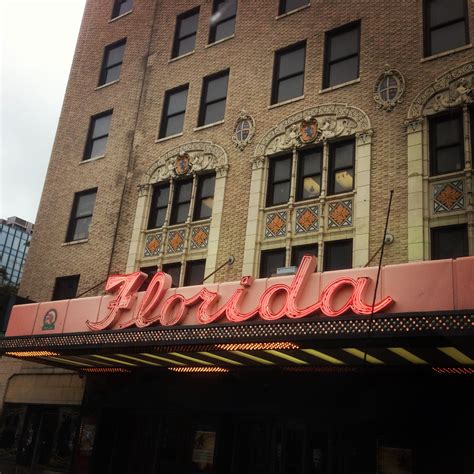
point(152, 245)
point(175, 241)
point(448, 196)
point(307, 219)
point(340, 214)
point(275, 224)
point(200, 237)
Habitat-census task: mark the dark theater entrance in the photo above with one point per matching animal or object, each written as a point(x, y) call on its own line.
point(282, 422)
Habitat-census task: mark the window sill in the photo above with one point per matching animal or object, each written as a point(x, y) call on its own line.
point(107, 84)
point(223, 40)
point(209, 125)
point(74, 242)
point(446, 53)
point(83, 162)
point(164, 139)
point(442, 177)
point(296, 10)
point(344, 84)
point(120, 16)
point(172, 60)
point(285, 102)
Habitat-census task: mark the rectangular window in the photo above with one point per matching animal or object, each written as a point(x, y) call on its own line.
point(341, 56)
point(309, 174)
point(159, 205)
point(279, 179)
point(446, 144)
point(185, 33)
point(298, 252)
point(194, 274)
point(174, 110)
point(288, 73)
point(174, 271)
point(98, 135)
point(222, 20)
point(213, 98)
point(449, 242)
point(121, 7)
point(290, 5)
point(181, 201)
point(341, 167)
point(150, 271)
point(112, 62)
point(270, 260)
point(337, 255)
point(65, 288)
point(204, 197)
point(81, 215)
point(446, 25)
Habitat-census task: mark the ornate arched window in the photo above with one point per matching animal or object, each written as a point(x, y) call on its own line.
point(310, 191)
point(179, 211)
point(440, 135)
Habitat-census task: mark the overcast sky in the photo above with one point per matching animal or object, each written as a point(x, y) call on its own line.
point(37, 41)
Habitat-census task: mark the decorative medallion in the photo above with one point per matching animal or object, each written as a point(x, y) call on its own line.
point(152, 245)
point(307, 219)
point(200, 237)
point(389, 88)
point(308, 130)
point(181, 165)
point(175, 241)
point(275, 224)
point(244, 130)
point(49, 320)
point(340, 214)
point(448, 196)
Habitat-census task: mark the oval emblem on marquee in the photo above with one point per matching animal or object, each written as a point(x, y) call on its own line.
point(49, 320)
point(308, 130)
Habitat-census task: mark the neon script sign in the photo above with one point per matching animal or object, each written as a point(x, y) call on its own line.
point(277, 301)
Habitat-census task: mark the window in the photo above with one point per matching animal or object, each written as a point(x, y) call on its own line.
point(65, 288)
point(222, 20)
point(309, 174)
point(279, 180)
point(337, 255)
point(150, 272)
point(174, 271)
point(288, 73)
point(194, 274)
point(341, 167)
point(121, 7)
point(98, 135)
point(81, 215)
point(182, 200)
point(174, 110)
point(112, 62)
point(159, 206)
point(446, 25)
point(298, 252)
point(449, 242)
point(185, 34)
point(341, 57)
point(446, 143)
point(270, 261)
point(204, 197)
point(290, 5)
point(213, 98)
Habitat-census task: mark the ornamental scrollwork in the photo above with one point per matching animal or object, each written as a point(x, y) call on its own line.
point(389, 88)
point(187, 159)
point(244, 130)
point(315, 125)
point(452, 89)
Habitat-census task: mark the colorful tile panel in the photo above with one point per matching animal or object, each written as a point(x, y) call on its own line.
point(152, 245)
point(200, 237)
point(340, 214)
point(275, 224)
point(448, 196)
point(307, 219)
point(175, 241)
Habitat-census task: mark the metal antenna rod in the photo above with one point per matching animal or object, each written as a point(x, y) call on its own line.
point(230, 260)
point(378, 275)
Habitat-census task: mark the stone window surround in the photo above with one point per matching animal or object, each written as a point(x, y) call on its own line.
point(208, 157)
point(335, 120)
point(452, 90)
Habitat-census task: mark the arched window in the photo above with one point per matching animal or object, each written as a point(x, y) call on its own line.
point(310, 192)
point(440, 143)
point(178, 214)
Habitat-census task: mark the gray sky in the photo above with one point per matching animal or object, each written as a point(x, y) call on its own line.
point(37, 41)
